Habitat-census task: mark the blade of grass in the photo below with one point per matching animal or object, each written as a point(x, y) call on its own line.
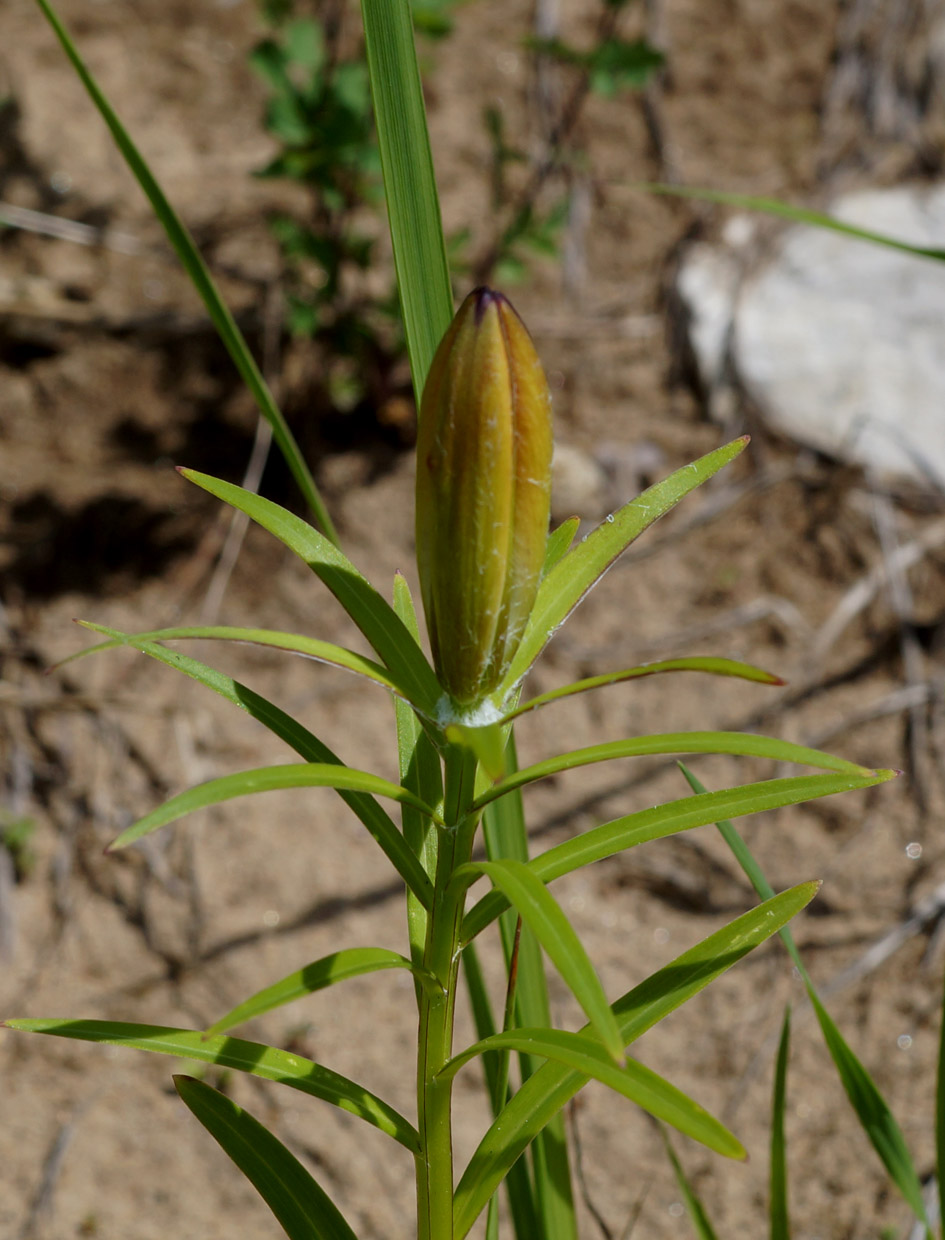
point(303, 1208)
point(797, 215)
point(201, 279)
point(778, 1201)
point(873, 1113)
point(413, 206)
point(700, 1220)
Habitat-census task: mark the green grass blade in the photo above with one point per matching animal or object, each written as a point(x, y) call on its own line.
point(338, 967)
point(797, 215)
point(700, 1220)
point(779, 1226)
point(663, 820)
point(559, 543)
point(743, 744)
point(873, 1113)
point(505, 835)
point(585, 1055)
point(421, 772)
point(377, 821)
point(413, 206)
point(267, 1062)
point(575, 573)
point(292, 643)
point(543, 1095)
point(372, 614)
point(698, 663)
point(544, 917)
point(200, 277)
point(303, 1209)
point(274, 778)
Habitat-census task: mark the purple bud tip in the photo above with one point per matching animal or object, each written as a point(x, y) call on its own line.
point(484, 298)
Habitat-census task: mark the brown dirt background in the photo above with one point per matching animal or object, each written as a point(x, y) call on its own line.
point(109, 374)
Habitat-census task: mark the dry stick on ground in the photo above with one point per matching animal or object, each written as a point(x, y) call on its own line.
point(913, 662)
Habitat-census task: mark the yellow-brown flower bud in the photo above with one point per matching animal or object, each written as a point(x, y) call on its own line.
point(483, 493)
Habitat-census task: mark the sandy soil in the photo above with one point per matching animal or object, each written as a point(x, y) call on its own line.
point(109, 375)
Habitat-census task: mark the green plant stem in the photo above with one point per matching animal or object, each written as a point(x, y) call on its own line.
point(435, 1041)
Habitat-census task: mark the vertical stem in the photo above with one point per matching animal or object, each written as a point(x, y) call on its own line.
point(435, 1041)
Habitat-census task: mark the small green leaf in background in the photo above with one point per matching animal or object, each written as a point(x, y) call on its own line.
point(304, 1210)
point(778, 1199)
point(700, 1220)
point(876, 1119)
point(201, 279)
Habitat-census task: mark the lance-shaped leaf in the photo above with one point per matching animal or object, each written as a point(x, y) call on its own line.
point(413, 208)
point(378, 822)
point(370, 612)
point(303, 1208)
point(585, 1055)
point(741, 744)
point(293, 643)
point(544, 1094)
point(270, 779)
point(876, 1119)
point(559, 543)
point(267, 1062)
point(663, 820)
point(542, 914)
point(575, 573)
point(200, 277)
point(338, 967)
point(697, 663)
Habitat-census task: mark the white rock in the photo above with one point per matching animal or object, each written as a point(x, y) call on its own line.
point(840, 343)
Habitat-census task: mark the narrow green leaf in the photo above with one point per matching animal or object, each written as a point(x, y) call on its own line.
point(573, 575)
point(200, 277)
point(421, 772)
point(700, 1220)
point(543, 915)
point(874, 1115)
point(304, 1210)
point(559, 543)
point(586, 1056)
point(338, 967)
point(413, 206)
point(713, 666)
point(371, 814)
point(271, 779)
point(293, 643)
point(370, 612)
point(779, 1227)
point(743, 744)
point(663, 820)
point(486, 741)
point(543, 1095)
point(267, 1062)
point(797, 215)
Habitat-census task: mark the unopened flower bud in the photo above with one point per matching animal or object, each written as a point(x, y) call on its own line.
point(483, 493)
